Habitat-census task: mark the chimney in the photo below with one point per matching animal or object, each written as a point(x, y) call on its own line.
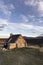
point(11, 34)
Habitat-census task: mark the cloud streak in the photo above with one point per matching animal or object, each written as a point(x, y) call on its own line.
point(40, 7)
point(37, 28)
point(23, 26)
point(24, 18)
point(7, 27)
point(31, 2)
point(38, 4)
point(6, 8)
point(3, 24)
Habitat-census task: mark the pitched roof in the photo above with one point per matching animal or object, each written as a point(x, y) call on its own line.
point(13, 38)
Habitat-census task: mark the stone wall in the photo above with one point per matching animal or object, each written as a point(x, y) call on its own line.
point(12, 45)
point(21, 42)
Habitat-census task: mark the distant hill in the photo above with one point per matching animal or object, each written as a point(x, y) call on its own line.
point(30, 40)
point(40, 36)
point(34, 41)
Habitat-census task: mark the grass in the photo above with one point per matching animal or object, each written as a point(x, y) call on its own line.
point(24, 56)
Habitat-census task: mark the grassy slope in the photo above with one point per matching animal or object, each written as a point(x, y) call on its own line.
point(24, 56)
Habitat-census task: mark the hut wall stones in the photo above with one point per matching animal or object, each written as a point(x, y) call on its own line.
point(20, 42)
point(12, 46)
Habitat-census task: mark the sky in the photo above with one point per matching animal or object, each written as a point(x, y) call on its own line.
point(21, 17)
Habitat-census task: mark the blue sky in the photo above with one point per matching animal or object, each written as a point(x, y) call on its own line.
point(21, 17)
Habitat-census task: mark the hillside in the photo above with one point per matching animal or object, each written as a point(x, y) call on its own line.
point(24, 56)
point(34, 41)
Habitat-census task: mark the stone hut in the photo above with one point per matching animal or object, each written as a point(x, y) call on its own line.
point(15, 41)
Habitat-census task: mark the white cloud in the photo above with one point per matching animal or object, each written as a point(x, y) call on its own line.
point(27, 18)
point(40, 7)
point(24, 26)
point(12, 6)
point(40, 21)
point(3, 21)
point(31, 16)
point(31, 2)
point(6, 8)
point(31, 35)
point(3, 24)
point(29, 27)
point(38, 4)
point(14, 27)
point(24, 18)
